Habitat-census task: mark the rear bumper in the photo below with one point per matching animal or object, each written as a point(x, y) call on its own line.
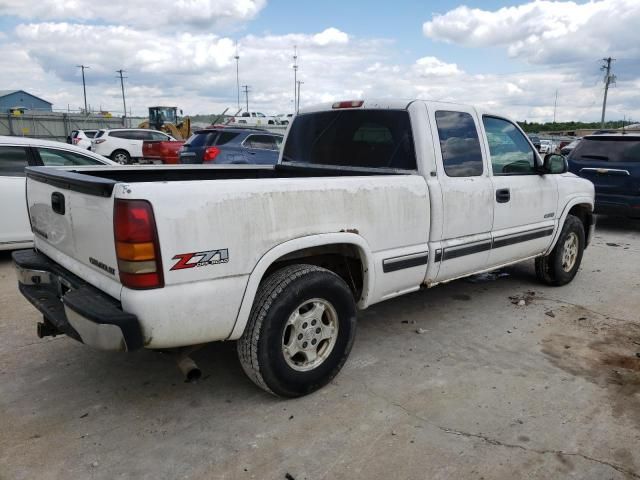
point(73, 307)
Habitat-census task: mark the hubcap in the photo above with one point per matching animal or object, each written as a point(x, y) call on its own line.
point(570, 252)
point(310, 334)
point(121, 158)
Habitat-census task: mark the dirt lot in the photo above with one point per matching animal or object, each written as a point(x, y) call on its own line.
point(491, 389)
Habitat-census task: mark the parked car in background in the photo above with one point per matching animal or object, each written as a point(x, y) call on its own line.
point(161, 151)
point(612, 163)
point(546, 146)
point(82, 138)
point(123, 145)
point(232, 145)
point(253, 119)
point(15, 154)
point(566, 149)
point(284, 118)
point(536, 141)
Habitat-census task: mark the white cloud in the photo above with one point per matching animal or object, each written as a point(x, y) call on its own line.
point(431, 66)
point(331, 35)
point(546, 32)
point(204, 14)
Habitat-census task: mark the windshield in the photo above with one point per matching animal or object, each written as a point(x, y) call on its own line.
point(611, 149)
point(353, 138)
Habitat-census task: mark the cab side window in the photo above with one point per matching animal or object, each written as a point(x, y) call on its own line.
point(13, 160)
point(459, 144)
point(510, 151)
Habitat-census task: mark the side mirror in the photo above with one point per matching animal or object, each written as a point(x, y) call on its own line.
point(555, 163)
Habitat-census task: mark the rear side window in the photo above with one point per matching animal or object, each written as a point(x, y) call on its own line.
point(353, 138)
point(459, 144)
point(262, 142)
point(226, 137)
point(99, 134)
point(119, 135)
point(52, 157)
point(90, 133)
point(157, 136)
point(13, 160)
point(608, 149)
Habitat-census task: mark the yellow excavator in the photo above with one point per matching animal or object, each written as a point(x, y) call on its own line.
point(166, 119)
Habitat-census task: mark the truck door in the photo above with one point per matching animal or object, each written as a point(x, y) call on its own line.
point(525, 202)
point(467, 191)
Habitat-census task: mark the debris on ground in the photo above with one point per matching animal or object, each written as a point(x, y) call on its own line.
point(611, 244)
point(421, 330)
point(288, 476)
point(393, 432)
point(550, 314)
point(523, 299)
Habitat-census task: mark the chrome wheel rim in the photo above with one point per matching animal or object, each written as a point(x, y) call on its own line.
point(310, 334)
point(120, 158)
point(570, 252)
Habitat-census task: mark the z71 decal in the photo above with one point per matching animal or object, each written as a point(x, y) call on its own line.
point(200, 259)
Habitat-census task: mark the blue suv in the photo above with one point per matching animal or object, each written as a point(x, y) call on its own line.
point(612, 163)
point(231, 145)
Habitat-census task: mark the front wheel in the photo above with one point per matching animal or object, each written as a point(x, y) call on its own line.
point(561, 265)
point(300, 331)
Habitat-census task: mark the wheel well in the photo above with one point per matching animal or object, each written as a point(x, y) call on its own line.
point(583, 212)
point(343, 259)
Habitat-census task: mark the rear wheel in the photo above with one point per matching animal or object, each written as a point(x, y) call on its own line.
point(561, 265)
point(300, 331)
point(121, 156)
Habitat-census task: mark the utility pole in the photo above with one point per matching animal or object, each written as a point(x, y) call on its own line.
point(237, 57)
point(295, 78)
point(555, 104)
point(124, 103)
point(84, 88)
point(246, 94)
point(300, 82)
point(609, 78)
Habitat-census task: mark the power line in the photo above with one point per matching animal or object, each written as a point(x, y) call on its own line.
point(84, 88)
point(246, 94)
point(124, 103)
point(609, 78)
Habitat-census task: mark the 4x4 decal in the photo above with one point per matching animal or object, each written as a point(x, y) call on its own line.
point(200, 259)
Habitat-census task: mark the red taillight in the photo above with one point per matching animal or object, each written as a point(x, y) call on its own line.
point(76, 140)
point(137, 246)
point(348, 104)
point(210, 154)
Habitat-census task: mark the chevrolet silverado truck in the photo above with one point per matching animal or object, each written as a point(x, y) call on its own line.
point(368, 201)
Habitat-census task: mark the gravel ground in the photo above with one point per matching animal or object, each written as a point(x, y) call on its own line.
point(487, 389)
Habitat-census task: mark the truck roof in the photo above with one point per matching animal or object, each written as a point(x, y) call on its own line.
point(383, 104)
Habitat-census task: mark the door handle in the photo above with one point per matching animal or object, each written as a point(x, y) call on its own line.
point(503, 195)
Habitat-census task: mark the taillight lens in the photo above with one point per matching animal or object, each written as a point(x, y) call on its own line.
point(137, 246)
point(210, 154)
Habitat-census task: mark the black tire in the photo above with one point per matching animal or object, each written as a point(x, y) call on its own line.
point(550, 269)
point(261, 350)
point(121, 156)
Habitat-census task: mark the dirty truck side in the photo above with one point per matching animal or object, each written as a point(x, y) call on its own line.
point(368, 201)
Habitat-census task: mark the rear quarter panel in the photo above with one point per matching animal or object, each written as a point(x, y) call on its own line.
point(247, 219)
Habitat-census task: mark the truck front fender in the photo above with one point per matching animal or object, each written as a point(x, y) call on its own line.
point(578, 200)
point(291, 246)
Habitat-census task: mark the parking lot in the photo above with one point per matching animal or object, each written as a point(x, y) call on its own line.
point(460, 381)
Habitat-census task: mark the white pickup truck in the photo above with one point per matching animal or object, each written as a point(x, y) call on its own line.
point(369, 200)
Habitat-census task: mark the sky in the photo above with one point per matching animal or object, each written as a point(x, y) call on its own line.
point(511, 57)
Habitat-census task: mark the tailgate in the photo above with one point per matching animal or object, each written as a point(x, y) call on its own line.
point(72, 220)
